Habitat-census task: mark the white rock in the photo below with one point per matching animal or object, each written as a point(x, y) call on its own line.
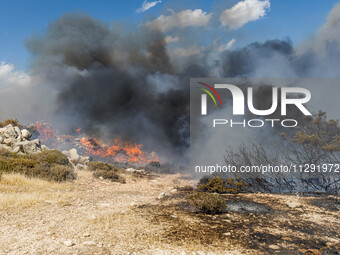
point(274, 247)
point(16, 149)
point(26, 134)
point(75, 158)
point(173, 191)
point(89, 243)
point(132, 170)
point(44, 147)
point(69, 243)
point(163, 194)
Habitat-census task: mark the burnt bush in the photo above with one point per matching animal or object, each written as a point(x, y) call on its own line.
point(208, 202)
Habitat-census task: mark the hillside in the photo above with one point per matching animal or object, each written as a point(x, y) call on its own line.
point(96, 216)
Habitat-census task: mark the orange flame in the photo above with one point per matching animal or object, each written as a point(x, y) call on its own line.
point(45, 131)
point(119, 151)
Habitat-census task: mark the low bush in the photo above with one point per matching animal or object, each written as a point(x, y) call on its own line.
point(208, 202)
point(18, 165)
point(48, 165)
point(219, 185)
point(214, 185)
point(6, 122)
point(57, 173)
point(186, 188)
point(52, 157)
point(109, 175)
point(101, 166)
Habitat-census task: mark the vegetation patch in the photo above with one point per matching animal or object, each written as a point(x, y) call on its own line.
point(208, 203)
point(221, 186)
point(109, 175)
point(49, 165)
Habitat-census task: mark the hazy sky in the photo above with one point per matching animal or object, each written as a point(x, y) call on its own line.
point(297, 20)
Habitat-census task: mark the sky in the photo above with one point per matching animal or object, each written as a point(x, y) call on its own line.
point(296, 20)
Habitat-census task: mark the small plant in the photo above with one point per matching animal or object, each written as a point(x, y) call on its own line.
point(6, 122)
point(214, 185)
point(109, 175)
point(219, 185)
point(57, 173)
point(186, 188)
point(235, 186)
point(208, 202)
point(50, 165)
point(101, 166)
point(52, 157)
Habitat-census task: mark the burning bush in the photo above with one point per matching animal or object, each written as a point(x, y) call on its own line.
point(208, 202)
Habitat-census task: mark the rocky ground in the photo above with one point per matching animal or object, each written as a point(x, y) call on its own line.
point(93, 216)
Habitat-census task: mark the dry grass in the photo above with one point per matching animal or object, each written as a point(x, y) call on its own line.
point(18, 191)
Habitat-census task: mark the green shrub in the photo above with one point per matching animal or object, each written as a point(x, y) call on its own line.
point(6, 122)
point(61, 173)
point(48, 165)
point(18, 165)
point(101, 166)
point(52, 157)
point(109, 175)
point(208, 203)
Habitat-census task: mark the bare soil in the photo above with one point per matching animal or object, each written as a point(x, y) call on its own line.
point(103, 217)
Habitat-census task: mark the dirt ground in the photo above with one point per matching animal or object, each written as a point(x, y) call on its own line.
point(93, 216)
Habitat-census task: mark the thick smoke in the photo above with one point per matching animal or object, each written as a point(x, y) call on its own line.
point(126, 84)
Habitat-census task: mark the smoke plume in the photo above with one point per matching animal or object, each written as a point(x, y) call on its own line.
point(114, 83)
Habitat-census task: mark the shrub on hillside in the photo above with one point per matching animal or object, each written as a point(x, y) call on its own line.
point(186, 188)
point(219, 185)
point(57, 173)
point(101, 166)
point(49, 165)
point(214, 185)
point(109, 175)
point(52, 157)
point(6, 122)
point(208, 203)
point(17, 165)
